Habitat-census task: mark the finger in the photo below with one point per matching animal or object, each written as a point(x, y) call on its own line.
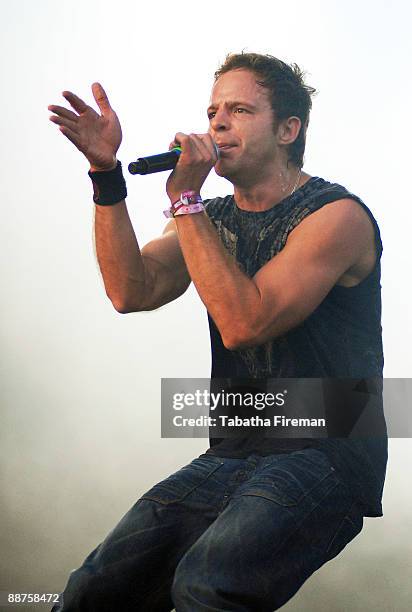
point(185, 142)
point(77, 103)
point(72, 125)
point(201, 145)
point(178, 138)
point(208, 141)
point(206, 147)
point(62, 112)
point(101, 98)
point(72, 136)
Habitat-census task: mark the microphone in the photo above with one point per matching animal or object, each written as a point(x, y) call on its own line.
point(158, 163)
point(155, 163)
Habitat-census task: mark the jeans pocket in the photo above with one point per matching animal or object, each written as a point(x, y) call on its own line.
point(185, 481)
point(304, 476)
point(348, 529)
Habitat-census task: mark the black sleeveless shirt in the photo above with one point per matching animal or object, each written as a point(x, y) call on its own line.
point(342, 338)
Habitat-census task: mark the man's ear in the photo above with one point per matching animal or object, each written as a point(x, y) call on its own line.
point(288, 130)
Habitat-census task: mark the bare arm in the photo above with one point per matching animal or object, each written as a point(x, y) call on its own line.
point(287, 289)
point(137, 280)
point(331, 243)
point(134, 280)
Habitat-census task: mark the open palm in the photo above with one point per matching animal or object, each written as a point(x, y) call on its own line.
point(98, 137)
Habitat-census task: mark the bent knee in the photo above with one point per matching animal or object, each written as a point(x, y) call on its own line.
point(86, 591)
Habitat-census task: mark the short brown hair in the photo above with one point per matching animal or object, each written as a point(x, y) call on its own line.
point(289, 95)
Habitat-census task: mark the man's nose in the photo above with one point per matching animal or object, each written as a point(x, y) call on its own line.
point(221, 121)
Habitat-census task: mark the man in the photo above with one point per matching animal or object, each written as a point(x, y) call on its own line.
point(289, 271)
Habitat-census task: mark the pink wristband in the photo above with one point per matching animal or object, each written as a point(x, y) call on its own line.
point(189, 202)
point(188, 210)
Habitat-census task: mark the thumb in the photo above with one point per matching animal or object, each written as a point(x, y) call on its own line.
point(101, 98)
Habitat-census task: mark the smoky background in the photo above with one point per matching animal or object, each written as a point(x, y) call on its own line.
point(80, 383)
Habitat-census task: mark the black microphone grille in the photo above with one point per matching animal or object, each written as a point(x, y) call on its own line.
point(137, 167)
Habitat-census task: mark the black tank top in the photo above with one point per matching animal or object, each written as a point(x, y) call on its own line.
point(342, 338)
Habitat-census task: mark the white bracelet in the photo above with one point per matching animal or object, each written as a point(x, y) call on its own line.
point(190, 202)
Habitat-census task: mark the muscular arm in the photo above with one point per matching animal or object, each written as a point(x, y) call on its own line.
point(134, 279)
point(286, 290)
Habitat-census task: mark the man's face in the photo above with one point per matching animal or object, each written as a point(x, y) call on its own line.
point(241, 124)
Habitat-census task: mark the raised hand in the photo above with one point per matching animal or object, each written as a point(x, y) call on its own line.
point(199, 155)
point(98, 137)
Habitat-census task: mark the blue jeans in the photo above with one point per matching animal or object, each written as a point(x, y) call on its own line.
point(240, 535)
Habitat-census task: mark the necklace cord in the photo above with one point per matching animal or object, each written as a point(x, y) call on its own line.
point(297, 182)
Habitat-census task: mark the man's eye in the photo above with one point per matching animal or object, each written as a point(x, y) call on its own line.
point(241, 110)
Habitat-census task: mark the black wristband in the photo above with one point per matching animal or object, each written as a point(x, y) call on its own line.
point(109, 186)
